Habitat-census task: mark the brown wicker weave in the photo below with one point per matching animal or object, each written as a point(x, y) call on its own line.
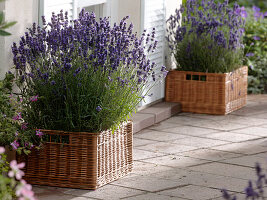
point(80, 159)
point(209, 93)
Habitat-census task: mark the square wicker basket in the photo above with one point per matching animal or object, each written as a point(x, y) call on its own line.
point(80, 159)
point(208, 93)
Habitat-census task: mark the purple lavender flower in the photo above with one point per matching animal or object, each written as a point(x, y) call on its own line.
point(207, 23)
point(257, 12)
point(244, 13)
point(250, 54)
point(34, 98)
point(98, 108)
point(15, 145)
point(39, 133)
point(24, 126)
point(72, 55)
point(250, 192)
point(17, 117)
point(256, 9)
point(256, 38)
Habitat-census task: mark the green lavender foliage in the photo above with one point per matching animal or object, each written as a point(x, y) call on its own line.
point(255, 40)
point(205, 56)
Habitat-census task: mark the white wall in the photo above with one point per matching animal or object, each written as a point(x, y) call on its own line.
point(2, 43)
point(171, 5)
point(25, 12)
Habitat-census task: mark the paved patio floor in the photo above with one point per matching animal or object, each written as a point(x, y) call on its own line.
point(188, 156)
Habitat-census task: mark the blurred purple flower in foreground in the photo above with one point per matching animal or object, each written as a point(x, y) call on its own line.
point(250, 54)
point(256, 38)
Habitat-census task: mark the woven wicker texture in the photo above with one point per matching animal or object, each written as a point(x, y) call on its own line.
point(80, 159)
point(209, 93)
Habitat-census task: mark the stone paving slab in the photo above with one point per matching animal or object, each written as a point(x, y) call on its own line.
point(190, 177)
point(139, 154)
point(158, 135)
point(140, 142)
point(190, 130)
point(253, 110)
point(248, 161)
point(199, 142)
point(163, 125)
point(261, 115)
point(188, 156)
point(62, 197)
point(252, 121)
point(226, 170)
point(152, 196)
point(210, 154)
point(238, 196)
point(231, 136)
point(147, 183)
point(176, 161)
point(200, 193)
point(259, 142)
point(54, 193)
point(243, 148)
point(187, 120)
point(255, 130)
point(222, 125)
point(167, 148)
point(105, 192)
point(142, 168)
point(261, 155)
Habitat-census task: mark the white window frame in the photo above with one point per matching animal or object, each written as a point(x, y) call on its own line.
point(108, 7)
point(79, 4)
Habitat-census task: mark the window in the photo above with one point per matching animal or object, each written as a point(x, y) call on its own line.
point(99, 7)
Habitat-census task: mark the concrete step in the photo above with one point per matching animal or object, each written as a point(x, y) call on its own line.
point(154, 114)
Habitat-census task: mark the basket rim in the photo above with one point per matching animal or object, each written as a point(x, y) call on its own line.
point(207, 73)
point(61, 132)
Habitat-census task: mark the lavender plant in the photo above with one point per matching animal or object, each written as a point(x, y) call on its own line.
point(252, 191)
point(206, 36)
point(88, 75)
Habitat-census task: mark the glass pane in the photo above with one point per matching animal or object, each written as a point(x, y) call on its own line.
point(97, 9)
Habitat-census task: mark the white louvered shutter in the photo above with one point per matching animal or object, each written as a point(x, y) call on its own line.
point(153, 16)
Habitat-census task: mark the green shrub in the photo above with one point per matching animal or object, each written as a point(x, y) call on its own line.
point(14, 130)
point(256, 50)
